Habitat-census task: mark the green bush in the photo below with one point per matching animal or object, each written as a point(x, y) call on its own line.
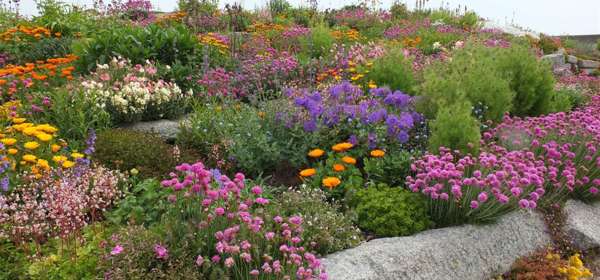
point(463, 78)
point(326, 230)
point(598, 45)
point(455, 127)
point(316, 44)
point(530, 79)
point(387, 211)
point(393, 70)
point(67, 115)
point(126, 149)
point(399, 10)
point(469, 20)
point(165, 45)
point(391, 169)
point(548, 44)
point(143, 204)
point(562, 100)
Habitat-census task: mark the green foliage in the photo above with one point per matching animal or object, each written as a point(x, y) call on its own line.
point(530, 79)
point(244, 136)
point(598, 45)
point(278, 7)
point(469, 20)
point(393, 70)
point(74, 261)
point(548, 44)
point(318, 43)
point(454, 127)
point(399, 10)
point(387, 211)
point(70, 19)
point(126, 149)
point(326, 230)
point(462, 78)
point(562, 100)
point(143, 204)
point(66, 113)
point(12, 261)
point(165, 45)
point(391, 169)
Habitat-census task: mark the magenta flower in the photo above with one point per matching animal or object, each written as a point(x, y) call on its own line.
point(116, 250)
point(161, 252)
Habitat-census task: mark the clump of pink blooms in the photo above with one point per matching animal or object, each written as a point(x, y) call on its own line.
point(523, 162)
point(58, 204)
point(238, 236)
point(405, 29)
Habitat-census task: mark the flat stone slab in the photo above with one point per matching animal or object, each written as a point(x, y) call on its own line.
point(557, 59)
point(583, 224)
point(167, 129)
point(465, 252)
point(590, 64)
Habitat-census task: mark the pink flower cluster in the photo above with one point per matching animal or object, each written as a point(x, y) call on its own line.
point(239, 236)
point(58, 206)
point(523, 161)
point(405, 29)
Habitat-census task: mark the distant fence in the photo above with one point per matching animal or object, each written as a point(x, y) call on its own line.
point(583, 38)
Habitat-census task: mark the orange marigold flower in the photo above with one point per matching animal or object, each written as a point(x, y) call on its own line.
point(349, 160)
point(342, 147)
point(377, 153)
point(308, 172)
point(315, 153)
point(331, 182)
point(338, 167)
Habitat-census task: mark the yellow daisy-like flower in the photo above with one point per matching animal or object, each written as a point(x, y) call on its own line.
point(77, 155)
point(32, 145)
point(30, 131)
point(12, 151)
point(338, 167)
point(341, 147)
point(68, 164)
point(44, 137)
point(55, 148)
point(8, 141)
point(372, 84)
point(59, 158)
point(29, 158)
point(308, 172)
point(349, 160)
point(18, 120)
point(315, 153)
point(47, 128)
point(377, 153)
point(331, 182)
point(43, 164)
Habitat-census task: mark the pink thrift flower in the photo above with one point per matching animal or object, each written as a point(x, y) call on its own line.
point(116, 250)
point(161, 252)
point(474, 204)
point(199, 260)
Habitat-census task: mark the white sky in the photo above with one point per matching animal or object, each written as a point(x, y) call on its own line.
point(555, 17)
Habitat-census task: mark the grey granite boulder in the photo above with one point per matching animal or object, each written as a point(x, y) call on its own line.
point(557, 59)
point(167, 129)
point(465, 252)
point(589, 64)
point(572, 59)
point(583, 224)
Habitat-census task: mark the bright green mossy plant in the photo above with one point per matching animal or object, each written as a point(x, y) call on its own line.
point(386, 211)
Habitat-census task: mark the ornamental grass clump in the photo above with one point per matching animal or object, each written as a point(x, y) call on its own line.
point(218, 225)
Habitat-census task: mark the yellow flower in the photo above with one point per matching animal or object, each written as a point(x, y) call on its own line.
point(338, 167)
point(29, 158)
point(18, 120)
point(315, 153)
point(372, 84)
point(47, 128)
point(349, 160)
point(12, 151)
point(308, 172)
point(377, 153)
point(43, 164)
point(8, 141)
point(341, 147)
point(331, 182)
point(59, 158)
point(44, 137)
point(68, 164)
point(575, 261)
point(55, 148)
point(77, 155)
point(32, 145)
point(30, 131)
